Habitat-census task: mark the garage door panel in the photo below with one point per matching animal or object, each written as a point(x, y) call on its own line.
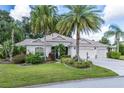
point(84, 53)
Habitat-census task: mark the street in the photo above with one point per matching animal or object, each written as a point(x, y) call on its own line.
point(112, 82)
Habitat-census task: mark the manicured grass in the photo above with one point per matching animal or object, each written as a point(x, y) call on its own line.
point(122, 57)
point(12, 75)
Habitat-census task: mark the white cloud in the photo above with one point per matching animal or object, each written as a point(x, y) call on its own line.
point(20, 11)
point(113, 12)
point(96, 36)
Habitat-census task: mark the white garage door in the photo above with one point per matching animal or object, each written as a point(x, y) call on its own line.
point(101, 53)
point(84, 53)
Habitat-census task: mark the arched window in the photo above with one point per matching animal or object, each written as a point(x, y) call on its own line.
point(39, 50)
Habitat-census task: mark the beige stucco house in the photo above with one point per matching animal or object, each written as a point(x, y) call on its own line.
point(87, 48)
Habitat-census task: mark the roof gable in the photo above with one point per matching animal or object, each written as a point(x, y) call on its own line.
point(58, 38)
point(85, 41)
point(37, 40)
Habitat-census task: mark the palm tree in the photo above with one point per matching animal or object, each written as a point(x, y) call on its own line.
point(80, 19)
point(114, 30)
point(43, 20)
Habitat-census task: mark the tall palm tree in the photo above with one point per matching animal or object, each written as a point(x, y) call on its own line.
point(43, 19)
point(114, 30)
point(80, 19)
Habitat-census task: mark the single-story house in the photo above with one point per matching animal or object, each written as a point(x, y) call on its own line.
point(87, 48)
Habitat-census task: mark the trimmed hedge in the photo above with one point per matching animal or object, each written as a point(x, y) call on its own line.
point(114, 55)
point(34, 59)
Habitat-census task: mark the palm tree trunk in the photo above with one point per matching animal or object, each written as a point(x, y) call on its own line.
point(77, 42)
point(45, 46)
point(12, 48)
point(117, 48)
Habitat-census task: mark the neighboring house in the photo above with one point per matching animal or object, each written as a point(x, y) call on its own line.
point(87, 48)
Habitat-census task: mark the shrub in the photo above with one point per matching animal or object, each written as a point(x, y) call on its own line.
point(19, 50)
point(82, 64)
point(34, 59)
point(66, 56)
point(18, 59)
point(2, 53)
point(121, 49)
point(68, 61)
point(109, 54)
point(114, 55)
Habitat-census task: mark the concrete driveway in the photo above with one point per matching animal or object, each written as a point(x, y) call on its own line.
point(112, 64)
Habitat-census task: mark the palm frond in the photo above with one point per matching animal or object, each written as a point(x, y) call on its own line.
point(109, 34)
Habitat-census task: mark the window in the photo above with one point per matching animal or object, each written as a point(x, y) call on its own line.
point(39, 50)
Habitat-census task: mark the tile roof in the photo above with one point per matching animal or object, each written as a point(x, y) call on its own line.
point(55, 37)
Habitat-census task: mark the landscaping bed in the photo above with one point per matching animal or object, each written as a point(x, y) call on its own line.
point(13, 75)
point(122, 57)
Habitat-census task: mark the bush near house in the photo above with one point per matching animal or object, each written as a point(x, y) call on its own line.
point(19, 50)
point(80, 64)
point(66, 56)
point(1, 54)
point(34, 59)
point(121, 49)
point(18, 59)
point(113, 54)
point(83, 64)
point(68, 61)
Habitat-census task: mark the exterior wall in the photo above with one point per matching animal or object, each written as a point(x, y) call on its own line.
point(30, 49)
point(69, 51)
point(73, 51)
point(100, 52)
point(48, 50)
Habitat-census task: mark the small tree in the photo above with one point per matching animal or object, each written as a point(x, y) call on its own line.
point(7, 46)
point(61, 49)
point(104, 40)
point(117, 32)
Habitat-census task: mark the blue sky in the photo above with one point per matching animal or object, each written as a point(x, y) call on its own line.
point(6, 7)
point(111, 15)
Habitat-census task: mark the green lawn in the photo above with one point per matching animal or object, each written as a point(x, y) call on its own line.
point(12, 75)
point(122, 57)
